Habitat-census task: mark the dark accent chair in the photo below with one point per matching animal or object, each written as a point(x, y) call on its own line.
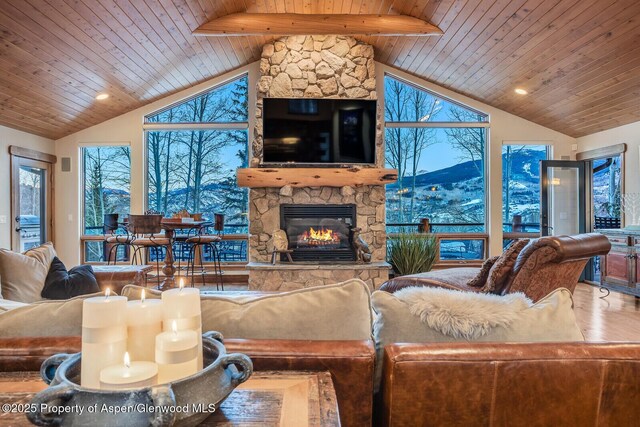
point(545, 264)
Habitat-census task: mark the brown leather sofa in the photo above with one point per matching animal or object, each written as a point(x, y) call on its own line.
point(544, 264)
point(507, 384)
point(350, 363)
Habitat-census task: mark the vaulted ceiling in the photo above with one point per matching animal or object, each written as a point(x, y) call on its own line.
point(579, 59)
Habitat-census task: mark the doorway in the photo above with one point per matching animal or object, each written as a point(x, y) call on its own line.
point(606, 191)
point(31, 199)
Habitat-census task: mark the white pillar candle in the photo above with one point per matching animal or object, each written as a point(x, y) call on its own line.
point(129, 375)
point(104, 336)
point(144, 322)
point(176, 354)
point(182, 305)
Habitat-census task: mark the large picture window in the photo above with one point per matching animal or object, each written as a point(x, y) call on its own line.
point(193, 151)
point(106, 178)
point(438, 148)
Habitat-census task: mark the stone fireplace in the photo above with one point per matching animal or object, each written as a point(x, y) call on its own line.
point(316, 67)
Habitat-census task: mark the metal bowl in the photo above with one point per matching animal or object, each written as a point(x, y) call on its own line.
point(186, 402)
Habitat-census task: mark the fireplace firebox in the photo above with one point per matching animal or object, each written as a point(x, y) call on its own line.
point(319, 232)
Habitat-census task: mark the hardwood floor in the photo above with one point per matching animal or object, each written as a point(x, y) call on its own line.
point(614, 318)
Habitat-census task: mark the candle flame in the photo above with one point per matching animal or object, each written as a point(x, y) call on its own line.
point(142, 296)
point(174, 327)
point(107, 292)
point(181, 284)
point(127, 359)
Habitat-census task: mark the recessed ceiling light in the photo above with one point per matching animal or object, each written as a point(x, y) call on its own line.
point(520, 91)
point(102, 96)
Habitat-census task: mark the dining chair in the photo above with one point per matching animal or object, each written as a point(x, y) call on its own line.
point(199, 243)
point(114, 241)
point(147, 235)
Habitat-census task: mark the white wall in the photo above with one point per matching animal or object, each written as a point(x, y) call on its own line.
point(628, 134)
point(128, 128)
point(505, 128)
point(9, 137)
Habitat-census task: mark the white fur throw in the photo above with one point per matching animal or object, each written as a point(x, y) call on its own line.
point(460, 314)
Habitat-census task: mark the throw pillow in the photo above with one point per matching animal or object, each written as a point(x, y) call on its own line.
point(499, 273)
point(44, 319)
point(550, 319)
point(23, 275)
point(333, 312)
point(63, 284)
point(481, 277)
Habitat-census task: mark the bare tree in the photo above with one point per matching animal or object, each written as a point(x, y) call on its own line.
point(471, 141)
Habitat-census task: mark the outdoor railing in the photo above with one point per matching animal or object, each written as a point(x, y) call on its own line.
point(232, 248)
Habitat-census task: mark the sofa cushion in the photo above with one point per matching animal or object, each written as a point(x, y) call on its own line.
point(44, 318)
point(501, 269)
point(23, 275)
point(63, 284)
point(550, 319)
point(334, 312)
point(481, 278)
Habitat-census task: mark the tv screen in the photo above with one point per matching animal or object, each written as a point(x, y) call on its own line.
point(305, 130)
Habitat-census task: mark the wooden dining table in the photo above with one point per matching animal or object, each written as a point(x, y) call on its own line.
point(170, 226)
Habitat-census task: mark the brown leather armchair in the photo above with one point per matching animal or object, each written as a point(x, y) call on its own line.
point(544, 264)
point(509, 384)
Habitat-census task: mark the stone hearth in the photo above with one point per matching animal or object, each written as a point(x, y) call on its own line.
point(287, 277)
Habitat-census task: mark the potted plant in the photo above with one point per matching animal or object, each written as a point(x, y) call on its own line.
point(411, 253)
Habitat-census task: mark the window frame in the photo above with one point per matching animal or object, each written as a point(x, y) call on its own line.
point(191, 126)
point(486, 125)
point(84, 238)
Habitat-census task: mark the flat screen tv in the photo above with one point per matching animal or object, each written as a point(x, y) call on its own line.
point(305, 130)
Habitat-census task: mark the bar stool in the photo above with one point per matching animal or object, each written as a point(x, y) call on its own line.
point(114, 241)
point(146, 231)
point(203, 241)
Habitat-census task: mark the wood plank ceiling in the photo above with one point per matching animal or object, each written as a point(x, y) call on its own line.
point(579, 59)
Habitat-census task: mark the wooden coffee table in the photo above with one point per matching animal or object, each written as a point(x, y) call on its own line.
point(268, 398)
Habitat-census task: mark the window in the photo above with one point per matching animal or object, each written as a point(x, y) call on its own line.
point(193, 151)
point(107, 178)
point(521, 186)
point(438, 148)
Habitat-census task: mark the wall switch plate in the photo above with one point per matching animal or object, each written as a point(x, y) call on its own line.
point(70, 218)
point(3, 219)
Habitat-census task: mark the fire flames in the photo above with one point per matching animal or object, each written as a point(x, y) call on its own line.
point(321, 237)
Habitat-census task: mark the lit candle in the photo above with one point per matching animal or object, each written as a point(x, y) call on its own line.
point(129, 375)
point(104, 336)
point(144, 322)
point(176, 354)
point(182, 305)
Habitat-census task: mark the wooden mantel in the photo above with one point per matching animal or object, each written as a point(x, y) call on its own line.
point(315, 177)
point(260, 24)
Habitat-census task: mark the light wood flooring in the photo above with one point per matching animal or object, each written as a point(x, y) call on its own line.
point(614, 318)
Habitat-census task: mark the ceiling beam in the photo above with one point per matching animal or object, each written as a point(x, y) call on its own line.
point(259, 24)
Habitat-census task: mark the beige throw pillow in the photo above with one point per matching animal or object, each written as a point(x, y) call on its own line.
point(334, 312)
point(23, 275)
point(44, 319)
point(550, 319)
